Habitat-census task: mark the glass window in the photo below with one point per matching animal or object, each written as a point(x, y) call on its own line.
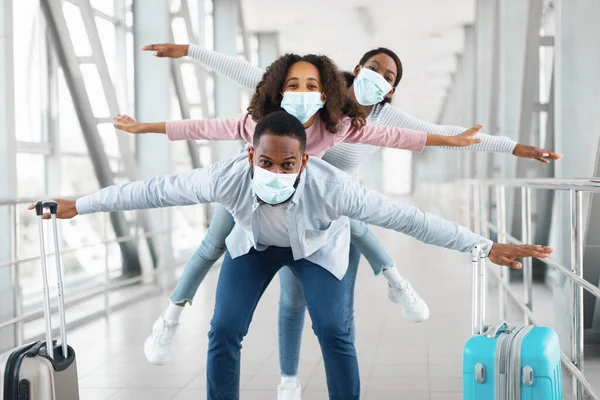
point(130, 72)
point(78, 176)
point(31, 174)
point(30, 71)
point(397, 171)
point(179, 30)
point(175, 6)
point(209, 41)
point(109, 138)
point(106, 30)
point(70, 133)
point(181, 156)
point(105, 6)
point(93, 87)
point(191, 85)
point(77, 30)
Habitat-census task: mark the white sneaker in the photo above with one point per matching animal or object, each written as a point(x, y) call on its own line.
point(289, 391)
point(412, 306)
point(158, 345)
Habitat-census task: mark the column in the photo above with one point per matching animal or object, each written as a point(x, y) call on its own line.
point(8, 169)
point(577, 124)
point(227, 93)
point(513, 31)
point(268, 48)
point(484, 35)
point(152, 103)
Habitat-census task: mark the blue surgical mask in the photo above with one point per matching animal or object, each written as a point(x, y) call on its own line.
point(302, 105)
point(273, 188)
point(370, 87)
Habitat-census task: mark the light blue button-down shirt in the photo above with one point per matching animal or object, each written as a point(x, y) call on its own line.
point(317, 214)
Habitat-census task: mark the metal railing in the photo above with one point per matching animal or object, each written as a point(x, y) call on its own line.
point(479, 204)
point(77, 296)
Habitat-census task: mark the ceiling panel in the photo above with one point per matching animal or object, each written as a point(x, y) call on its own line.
point(426, 34)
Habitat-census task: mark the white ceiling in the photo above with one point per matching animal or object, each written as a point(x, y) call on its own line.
point(426, 34)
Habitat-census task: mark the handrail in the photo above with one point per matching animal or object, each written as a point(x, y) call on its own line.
point(103, 288)
point(591, 185)
point(595, 290)
point(120, 239)
point(574, 364)
point(84, 295)
point(12, 201)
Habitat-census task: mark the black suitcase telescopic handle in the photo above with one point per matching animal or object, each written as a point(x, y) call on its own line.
point(50, 204)
point(39, 209)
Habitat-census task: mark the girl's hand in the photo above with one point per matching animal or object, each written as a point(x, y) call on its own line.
point(169, 50)
point(467, 138)
point(127, 124)
point(358, 122)
point(542, 155)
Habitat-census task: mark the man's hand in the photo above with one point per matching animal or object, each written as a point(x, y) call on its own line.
point(65, 210)
point(542, 155)
point(169, 50)
point(467, 138)
point(127, 124)
point(505, 254)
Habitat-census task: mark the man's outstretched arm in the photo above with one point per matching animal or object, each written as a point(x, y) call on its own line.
point(194, 187)
point(374, 208)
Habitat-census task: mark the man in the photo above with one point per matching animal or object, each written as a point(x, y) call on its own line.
point(288, 211)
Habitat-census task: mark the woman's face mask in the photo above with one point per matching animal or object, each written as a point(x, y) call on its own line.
point(273, 188)
point(370, 87)
point(302, 105)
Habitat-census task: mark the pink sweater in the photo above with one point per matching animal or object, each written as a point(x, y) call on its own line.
point(319, 139)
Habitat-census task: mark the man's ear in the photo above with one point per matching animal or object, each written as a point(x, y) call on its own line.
point(304, 161)
point(357, 70)
point(251, 156)
point(390, 94)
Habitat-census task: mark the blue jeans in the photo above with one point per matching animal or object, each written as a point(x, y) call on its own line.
point(213, 247)
point(241, 284)
point(292, 308)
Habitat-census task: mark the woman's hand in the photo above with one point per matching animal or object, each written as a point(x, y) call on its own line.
point(127, 124)
point(505, 254)
point(65, 209)
point(169, 50)
point(542, 155)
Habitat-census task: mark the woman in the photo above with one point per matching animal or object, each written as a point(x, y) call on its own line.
point(291, 323)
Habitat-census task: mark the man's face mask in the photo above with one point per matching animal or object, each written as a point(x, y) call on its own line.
point(273, 188)
point(302, 105)
point(370, 87)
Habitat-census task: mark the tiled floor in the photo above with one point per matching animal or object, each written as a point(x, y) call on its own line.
point(398, 359)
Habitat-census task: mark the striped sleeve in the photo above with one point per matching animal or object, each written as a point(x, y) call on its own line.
point(237, 69)
point(393, 116)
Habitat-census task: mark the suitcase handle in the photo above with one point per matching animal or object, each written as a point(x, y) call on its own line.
point(492, 331)
point(40, 206)
point(479, 286)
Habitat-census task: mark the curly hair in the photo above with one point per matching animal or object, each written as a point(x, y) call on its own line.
point(267, 97)
point(349, 77)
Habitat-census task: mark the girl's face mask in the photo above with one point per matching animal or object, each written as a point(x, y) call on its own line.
point(302, 105)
